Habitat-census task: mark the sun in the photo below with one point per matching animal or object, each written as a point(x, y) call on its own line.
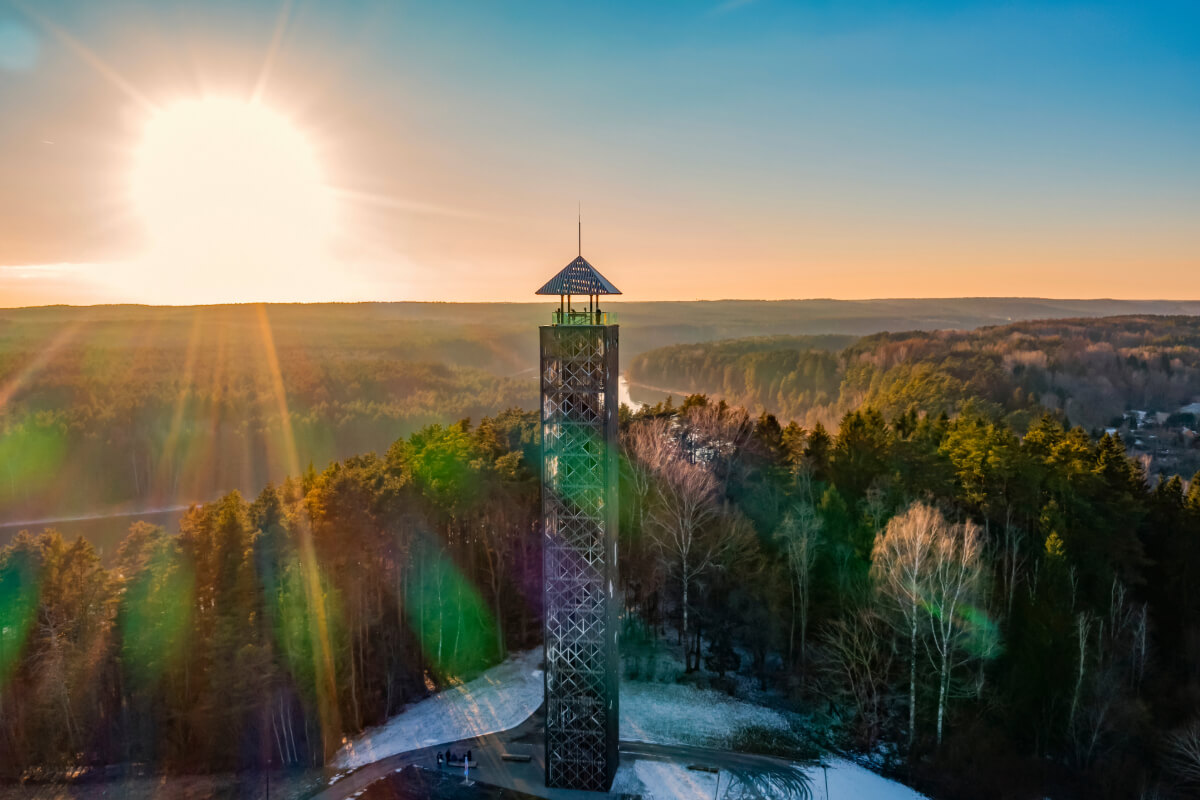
point(233, 203)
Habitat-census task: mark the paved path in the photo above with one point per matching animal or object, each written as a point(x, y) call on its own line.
point(526, 739)
point(707, 757)
point(484, 749)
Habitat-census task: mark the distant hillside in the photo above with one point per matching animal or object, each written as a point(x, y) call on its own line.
point(125, 406)
point(496, 336)
point(1091, 369)
point(133, 406)
point(784, 374)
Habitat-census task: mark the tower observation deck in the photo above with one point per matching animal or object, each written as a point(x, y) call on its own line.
point(579, 372)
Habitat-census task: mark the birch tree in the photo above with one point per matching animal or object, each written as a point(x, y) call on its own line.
point(931, 574)
point(958, 625)
point(799, 535)
point(902, 567)
point(1083, 631)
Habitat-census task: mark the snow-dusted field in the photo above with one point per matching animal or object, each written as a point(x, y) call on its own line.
point(680, 714)
point(672, 713)
point(501, 698)
point(658, 780)
point(658, 713)
point(847, 779)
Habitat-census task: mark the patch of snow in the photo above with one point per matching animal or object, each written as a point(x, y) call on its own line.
point(501, 698)
point(506, 695)
point(681, 714)
point(664, 780)
point(848, 780)
point(678, 714)
point(626, 781)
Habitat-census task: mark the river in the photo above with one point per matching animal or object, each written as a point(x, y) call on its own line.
point(636, 396)
point(624, 396)
point(106, 529)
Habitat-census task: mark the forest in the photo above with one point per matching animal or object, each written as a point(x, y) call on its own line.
point(985, 613)
point(129, 407)
point(109, 408)
point(319, 607)
point(1091, 370)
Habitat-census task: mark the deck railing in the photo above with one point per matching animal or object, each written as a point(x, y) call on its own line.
point(583, 318)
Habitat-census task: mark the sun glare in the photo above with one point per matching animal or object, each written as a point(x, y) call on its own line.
point(229, 190)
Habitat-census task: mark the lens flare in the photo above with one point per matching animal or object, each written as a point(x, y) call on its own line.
point(456, 630)
point(18, 608)
point(157, 617)
point(233, 201)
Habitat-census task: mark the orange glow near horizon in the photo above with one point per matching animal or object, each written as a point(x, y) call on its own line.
point(183, 154)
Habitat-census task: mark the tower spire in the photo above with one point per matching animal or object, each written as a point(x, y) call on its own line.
point(580, 221)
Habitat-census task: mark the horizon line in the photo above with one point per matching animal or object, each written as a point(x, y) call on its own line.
point(1045, 298)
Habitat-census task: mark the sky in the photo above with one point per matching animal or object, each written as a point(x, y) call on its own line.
point(172, 152)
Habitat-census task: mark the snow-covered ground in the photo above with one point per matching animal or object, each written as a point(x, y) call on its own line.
point(672, 713)
point(660, 780)
point(501, 698)
point(658, 713)
point(847, 779)
point(681, 714)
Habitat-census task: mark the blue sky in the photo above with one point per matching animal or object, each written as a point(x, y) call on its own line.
point(768, 148)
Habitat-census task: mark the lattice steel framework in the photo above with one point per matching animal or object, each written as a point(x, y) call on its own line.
point(579, 515)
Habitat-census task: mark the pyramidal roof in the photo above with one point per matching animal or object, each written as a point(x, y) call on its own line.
point(578, 277)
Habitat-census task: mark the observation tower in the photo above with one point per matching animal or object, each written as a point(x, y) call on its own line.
point(579, 521)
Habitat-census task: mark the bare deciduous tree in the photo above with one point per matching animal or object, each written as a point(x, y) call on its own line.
point(957, 621)
point(930, 573)
point(1083, 628)
point(646, 445)
point(683, 512)
point(1181, 754)
point(685, 521)
point(799, 535)
point(902, 563)
point(717, 435)
point(854, 653)
point(1112, 661)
